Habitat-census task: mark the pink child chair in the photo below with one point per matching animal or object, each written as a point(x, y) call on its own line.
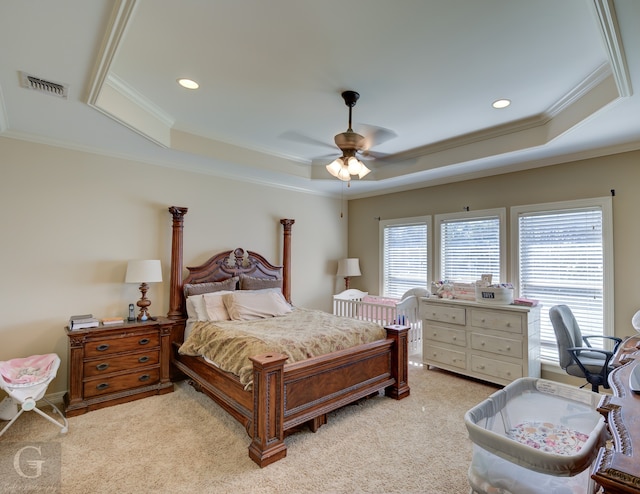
point(25, 380)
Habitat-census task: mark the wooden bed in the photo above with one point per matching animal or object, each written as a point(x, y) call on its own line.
point(284, 396)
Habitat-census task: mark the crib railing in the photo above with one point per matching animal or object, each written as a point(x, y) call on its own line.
point(404, 312)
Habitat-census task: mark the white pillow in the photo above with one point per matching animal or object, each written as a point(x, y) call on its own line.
point(214, 306)
point(196, 310)
point(248, 305)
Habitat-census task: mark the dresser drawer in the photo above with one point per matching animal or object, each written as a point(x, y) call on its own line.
point(109, 346)
point(495, 368)
point(108, 385)
point(494, 344)
point(444, 356)
point(501, 321)
point(120, 363)
point(448, 314)
point(445, 335)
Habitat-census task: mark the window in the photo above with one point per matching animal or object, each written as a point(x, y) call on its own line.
point(471, 244)
point(404, 255)
point(563, 256)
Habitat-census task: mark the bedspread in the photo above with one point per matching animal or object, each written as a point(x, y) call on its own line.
point(301, 334)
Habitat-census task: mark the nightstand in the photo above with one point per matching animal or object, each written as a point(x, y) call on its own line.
point(109, 365)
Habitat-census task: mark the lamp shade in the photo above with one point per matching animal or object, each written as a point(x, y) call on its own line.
point(149, 271)
point(349, 267)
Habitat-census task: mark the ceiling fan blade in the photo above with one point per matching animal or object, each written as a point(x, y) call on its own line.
point(374, 136)
point(373, 155)
point(301, 138)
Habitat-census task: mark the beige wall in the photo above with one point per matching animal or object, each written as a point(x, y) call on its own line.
point(578, 180)
point(71, 220)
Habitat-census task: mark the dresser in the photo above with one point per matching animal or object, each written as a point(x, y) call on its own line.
point(109, 365)
point(495, 343)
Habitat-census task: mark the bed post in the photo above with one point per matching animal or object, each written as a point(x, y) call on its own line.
point(399, 361)
point(175, 295)
point(267, 431)
point(286, 258)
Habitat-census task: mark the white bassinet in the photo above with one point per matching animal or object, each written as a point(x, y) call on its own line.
point(25, 380)
point(535, 436)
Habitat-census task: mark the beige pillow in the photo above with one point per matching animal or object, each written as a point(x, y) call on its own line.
point(253, 283)
point(215, 309)
point(213, 286)
point(246, 306)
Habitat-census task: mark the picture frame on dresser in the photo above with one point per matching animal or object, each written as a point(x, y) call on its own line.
point(109, 365)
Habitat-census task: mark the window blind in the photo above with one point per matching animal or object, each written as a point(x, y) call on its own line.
point(470, 248)
point(561, 261)
point(404, 258)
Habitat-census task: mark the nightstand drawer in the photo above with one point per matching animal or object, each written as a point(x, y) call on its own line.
point(109, 346)
point(124, 362)
point(109, 385)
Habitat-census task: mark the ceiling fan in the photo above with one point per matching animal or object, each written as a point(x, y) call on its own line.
point(351, 143)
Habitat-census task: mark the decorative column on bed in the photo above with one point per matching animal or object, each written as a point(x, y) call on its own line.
point(286, 258)
point(175, 296)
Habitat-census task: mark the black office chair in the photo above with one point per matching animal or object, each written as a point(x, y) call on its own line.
point(578, 359)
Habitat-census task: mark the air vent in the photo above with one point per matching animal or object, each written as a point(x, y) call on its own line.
point(43, 86)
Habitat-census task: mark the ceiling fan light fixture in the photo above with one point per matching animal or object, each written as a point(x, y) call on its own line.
point(354, 165)
point(364, 171)
point(344, 174)
point(335, 167)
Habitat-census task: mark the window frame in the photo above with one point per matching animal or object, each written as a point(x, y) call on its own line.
point(605, 203)
point(412, 220)
point(501, 213)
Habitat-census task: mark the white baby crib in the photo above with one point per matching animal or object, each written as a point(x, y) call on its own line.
point(383, 310)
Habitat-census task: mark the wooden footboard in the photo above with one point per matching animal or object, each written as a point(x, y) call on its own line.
point(286, 396)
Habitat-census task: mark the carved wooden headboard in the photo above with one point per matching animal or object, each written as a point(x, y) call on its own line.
point(223, 265)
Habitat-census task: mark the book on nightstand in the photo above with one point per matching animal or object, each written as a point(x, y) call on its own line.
point(83, 321)
point(110, 321)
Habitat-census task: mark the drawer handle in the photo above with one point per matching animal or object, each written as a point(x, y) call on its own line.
point(482, 344)
point(455, 338)
point(144, 377)
point(102, 348)
point(102, 386)
point(144, 359)
point(508, 324)
point(144, 341)
point(103, 366)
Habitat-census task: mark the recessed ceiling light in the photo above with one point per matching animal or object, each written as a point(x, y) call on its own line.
point(501, 103)
point(188, 83)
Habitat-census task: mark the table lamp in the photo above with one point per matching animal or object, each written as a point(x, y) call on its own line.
point(143, 272)
point(348, 268)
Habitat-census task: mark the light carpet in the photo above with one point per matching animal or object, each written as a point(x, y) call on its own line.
point(183, 442)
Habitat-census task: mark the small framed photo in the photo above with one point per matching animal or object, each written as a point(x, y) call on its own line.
point(486, 278)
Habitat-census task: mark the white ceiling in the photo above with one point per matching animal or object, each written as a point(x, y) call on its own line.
point(271, 73)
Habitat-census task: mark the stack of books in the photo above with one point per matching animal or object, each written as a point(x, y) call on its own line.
point(527, 302)
point(83, 321)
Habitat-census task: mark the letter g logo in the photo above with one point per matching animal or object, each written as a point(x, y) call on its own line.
point(34, 465)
